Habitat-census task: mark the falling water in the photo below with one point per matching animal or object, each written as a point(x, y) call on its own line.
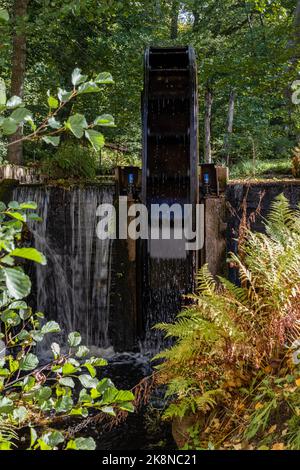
point(74, 287)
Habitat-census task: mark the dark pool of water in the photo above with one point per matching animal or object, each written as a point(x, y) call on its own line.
point(143, 429)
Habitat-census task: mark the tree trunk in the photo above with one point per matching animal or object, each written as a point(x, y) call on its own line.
point(207, 124)
point(15, 150)
point(229, 126)
point(174, 19)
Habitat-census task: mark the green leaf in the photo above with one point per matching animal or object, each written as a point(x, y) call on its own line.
point(104, 384)
point(79, 412)
point(53, 123)
point(9, 126)
point(104, 78)
point(14, 102)
point(82, 351)
point(50, 327)
point(2, 91)
point(64, 404)
point(16, 215)
point(108, 410)
point(95, 138)
point(87, 381)
point(52, 102)
point(77, 78)
point(44, 394)
point(10, 318)
point(53, 438)
point(98, 361)
point(29, 362)
point(127, 407)
point(67, 382)
point(88, 87)
point(6, 405)
point(64, 95)
point(106, 120)
point(20, 115)
point(91, 369)
point(29, 253)
point(4, 16)
point(17, 283)
point(74, 339)
point(68, 369)
point(53, 140)
point(28, 205)
point(84, 443)
point(20, 414)
point(14, 205)
point(33, 436)
point(77, 123)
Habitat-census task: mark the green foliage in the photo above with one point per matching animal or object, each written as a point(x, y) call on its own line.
point(50, 128)
point(71, 160)
point(37, 397)
point(234, 364)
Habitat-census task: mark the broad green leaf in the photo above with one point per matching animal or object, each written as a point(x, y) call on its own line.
point(67, 382)
point(91, 369)
point(87, 381)
point(44, 394)
point(88, 87)
point(52, 102)
point(53, 438)
point(4, 16)
point(10, 318)
point(108, 410)
point(77, 78)
point(124, 395)
point(53, 123)
point(14, 102)
point(82, 351)
point(98, 361)
point(29, 362)
point(29, 253)
point(20, 304)
point(64, 404)
point(53, 140)
point(51, 327)
point(79, 412)
point(74, 339)
point(14, 205)
point(6, 405)
point(20, 414)
point(104, 78)
point(104, 384)
point(64, 95)
point(9, 126)
point(68, 369)
point(95, 138)
point(16, 215)
point(84, 443)
point(77, 123)
point(20, 115)
point(106, 120)
point(17, 283)
point(37, 335)
point(28, 205)
point(127, 407)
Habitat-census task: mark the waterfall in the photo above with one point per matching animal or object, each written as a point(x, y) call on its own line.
point(74, 287)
